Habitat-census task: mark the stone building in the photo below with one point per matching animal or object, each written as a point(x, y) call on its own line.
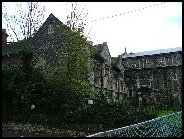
point(123, 76)
point(153, 71)
point(48, 41)
point(108, 73)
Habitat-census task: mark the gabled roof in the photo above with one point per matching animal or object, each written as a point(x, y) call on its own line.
point(98, 50)
point(153, 52)
point(15, 47)
point(50, 20)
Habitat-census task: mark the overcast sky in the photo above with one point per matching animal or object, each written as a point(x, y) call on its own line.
point(155, 27)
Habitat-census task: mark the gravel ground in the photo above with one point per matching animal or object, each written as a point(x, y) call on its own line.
point(12, 129)
point(20, 133)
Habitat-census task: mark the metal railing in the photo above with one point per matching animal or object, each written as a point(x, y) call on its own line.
point(165, 126)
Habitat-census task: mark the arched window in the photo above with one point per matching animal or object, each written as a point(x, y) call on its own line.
point(50, 29)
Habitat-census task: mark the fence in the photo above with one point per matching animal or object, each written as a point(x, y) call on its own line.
point(165, 126)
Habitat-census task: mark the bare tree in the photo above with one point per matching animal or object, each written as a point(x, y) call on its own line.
point(76, 16)
point(25, 20)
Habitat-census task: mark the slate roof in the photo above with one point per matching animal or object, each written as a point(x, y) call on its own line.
point(153, 52)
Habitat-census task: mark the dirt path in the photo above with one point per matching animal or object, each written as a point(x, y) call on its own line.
point(27, 130)
point(20, 133)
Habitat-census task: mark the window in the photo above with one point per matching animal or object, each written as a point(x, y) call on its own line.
point(106, 71)
point(128, 63)
point(169, 61)
point(149, 63)
point(116, 96)
point(144, 82)
point(175, 85)
point(97, 81)
point(116, 85)
point(175, 76)
point(142, 63)
point(161, 61)
point(121, 87)
point(157, 82)
point(105, 83)
point(97, 71)
point(179, 58)
point(124, 62)
point(50, 29)
point(175, 62)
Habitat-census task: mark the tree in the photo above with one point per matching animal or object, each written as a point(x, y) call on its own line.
point(24, 21)
point(76, 18)
point(73, 66)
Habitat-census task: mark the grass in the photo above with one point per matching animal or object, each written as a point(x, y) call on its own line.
point(165, 112)
point(170, 120)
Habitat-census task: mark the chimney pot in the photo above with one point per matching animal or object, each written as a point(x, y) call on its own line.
point(4, 37)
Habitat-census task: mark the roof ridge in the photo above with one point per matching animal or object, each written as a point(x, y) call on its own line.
point(153, 52)
point(158, 49)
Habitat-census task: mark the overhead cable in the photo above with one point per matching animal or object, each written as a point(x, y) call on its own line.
point(125, 12)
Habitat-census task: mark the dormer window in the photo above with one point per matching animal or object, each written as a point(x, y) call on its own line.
point(50, 29)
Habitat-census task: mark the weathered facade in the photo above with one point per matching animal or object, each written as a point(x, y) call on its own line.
point(123, 76)
point(154, 70)
point(108, 73)
point(48, 41)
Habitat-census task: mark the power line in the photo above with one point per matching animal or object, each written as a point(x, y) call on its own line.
point(126, 12)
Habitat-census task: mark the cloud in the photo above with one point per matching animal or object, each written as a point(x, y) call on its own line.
point(152, 28)
point(140, 31)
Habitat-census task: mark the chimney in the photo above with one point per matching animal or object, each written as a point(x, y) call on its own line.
point(105, 43)
point(125, 51)
point(4, 37)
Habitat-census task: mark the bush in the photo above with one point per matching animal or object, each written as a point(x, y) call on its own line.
point(110, 115)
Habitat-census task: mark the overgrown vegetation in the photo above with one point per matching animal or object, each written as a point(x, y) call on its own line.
point(60, 96)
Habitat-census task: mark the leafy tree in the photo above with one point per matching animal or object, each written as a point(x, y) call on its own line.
point(23, 84)
point(73, 67)
point(77, 16)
